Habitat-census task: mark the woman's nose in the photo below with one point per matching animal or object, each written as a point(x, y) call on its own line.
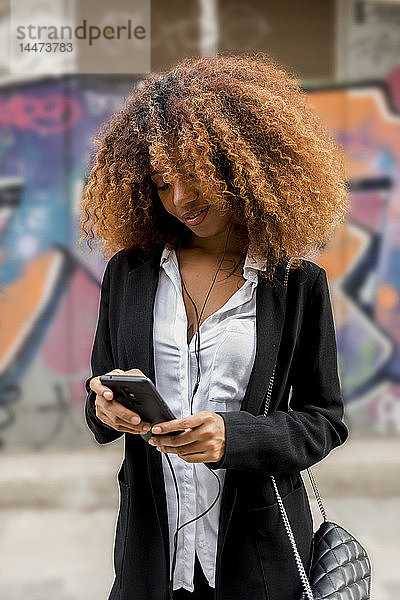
point(183, 193)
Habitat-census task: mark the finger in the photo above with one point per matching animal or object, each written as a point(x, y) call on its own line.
point(100, 389)
point(121, 425)
point(182, 439)
point(190, 421)
point(117, 410)
point(182, 450)
point(125, 414)
point(135, 372)
point(127, 429)
point(124, 426)
point(194, 457)
point(200, 457)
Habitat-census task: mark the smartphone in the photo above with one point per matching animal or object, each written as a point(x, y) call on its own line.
point(138, 393)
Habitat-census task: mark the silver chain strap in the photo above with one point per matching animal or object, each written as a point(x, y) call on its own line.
point(299, 562)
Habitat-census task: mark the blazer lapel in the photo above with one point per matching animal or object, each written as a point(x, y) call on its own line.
point(270, 316)
point(140, 293)
point(141, 290)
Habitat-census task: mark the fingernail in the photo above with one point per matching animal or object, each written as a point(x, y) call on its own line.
point(146, 428)
point(157, 429)
point(135, 420)
point(107, 395)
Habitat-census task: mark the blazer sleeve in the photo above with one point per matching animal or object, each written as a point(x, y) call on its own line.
point(288, 442)
point(101, 362)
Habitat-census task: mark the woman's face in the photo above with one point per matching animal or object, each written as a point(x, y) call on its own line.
point(183, 199)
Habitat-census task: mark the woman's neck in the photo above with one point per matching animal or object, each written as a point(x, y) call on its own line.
point(214, 245)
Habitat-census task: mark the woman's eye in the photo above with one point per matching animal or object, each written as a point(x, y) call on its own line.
point(163, 187)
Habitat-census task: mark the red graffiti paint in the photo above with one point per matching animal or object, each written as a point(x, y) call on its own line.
point(50, 114)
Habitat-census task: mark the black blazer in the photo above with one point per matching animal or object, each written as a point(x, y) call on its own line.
point(295, 329)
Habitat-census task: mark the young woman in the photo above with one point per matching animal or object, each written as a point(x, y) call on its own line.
point(213, 175)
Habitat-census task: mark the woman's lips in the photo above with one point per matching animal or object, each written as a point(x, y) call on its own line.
point(199, 219)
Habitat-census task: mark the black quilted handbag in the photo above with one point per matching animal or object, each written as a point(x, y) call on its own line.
point(339, 568)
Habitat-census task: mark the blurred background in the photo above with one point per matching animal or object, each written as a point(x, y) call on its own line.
point(58, 488)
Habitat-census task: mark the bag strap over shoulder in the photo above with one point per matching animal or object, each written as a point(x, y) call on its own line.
point(299, 563)
point(268, 398)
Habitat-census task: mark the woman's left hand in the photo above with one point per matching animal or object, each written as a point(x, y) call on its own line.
point(204, 442)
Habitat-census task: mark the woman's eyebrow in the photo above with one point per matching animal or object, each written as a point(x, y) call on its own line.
point(154, 173)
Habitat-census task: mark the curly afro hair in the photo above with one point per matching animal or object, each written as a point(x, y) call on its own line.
point(242, 127)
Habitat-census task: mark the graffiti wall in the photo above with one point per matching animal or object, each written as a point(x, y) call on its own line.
point(50, 288)
point(363, 261)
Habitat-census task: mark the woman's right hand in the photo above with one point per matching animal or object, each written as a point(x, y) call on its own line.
point(112, 412)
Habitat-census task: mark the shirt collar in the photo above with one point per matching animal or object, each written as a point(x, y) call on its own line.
point(250, 267)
